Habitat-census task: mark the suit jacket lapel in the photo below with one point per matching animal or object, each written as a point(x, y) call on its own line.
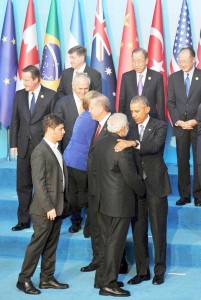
point(194, 82)
point(39, 101)
point(147, 82)
point(26, 105)
point(181, 85)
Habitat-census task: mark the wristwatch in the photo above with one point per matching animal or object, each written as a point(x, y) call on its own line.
point(136, 144)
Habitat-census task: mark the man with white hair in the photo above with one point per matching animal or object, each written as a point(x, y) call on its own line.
point(117, 182)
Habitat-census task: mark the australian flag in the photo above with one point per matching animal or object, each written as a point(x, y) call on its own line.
point(183, 36)
point(8, 66)
point(101, 56)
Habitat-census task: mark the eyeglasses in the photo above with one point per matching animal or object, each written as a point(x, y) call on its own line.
point(138, 61)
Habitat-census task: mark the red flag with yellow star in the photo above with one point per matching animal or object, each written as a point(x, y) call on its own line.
point(129, 42)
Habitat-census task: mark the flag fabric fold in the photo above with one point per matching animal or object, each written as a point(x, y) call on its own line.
point(156, 48)
point(76, 36)
point(183, 36)
point(29, 45)
point(101, 56)
point(199, 53)
point(51, 59)
point(128, 43)
point(8, 66)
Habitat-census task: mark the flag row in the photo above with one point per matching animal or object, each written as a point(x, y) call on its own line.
point(101, 54)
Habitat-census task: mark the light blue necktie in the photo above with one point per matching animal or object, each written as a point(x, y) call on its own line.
point(187, 84)
point(140, 85)
point(141, 131)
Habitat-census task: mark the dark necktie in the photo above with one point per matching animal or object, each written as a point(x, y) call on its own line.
point(140, 85)
point(33, 101)
point(98, 130)
point(187, 84)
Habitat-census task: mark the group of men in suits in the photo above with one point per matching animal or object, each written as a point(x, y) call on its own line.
point(142, 100)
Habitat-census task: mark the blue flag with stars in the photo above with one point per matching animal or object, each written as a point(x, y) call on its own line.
point(101, 56)
point(8, 66)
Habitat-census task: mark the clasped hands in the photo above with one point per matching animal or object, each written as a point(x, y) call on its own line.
point(187, 125)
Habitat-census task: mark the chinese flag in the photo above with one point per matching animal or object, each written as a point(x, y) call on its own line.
point(129, 42)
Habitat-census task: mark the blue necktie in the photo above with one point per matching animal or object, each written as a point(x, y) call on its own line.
point(32, 103)
point(187, 84)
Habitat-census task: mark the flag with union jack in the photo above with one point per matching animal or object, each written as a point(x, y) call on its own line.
point(101, 56)
point(183, 36)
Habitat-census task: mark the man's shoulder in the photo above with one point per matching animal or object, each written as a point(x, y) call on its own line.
point(154, 73)
point(129, 73)
point(156, 122)
point(68, 71)
point(65, 100)
point(90, 70)
point(176, 74)
point(47, 90)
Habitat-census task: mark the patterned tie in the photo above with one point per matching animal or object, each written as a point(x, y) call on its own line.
point(98, 130)
point(32, 103)
point(140, 85)
point(141, 131)
point(187, 84)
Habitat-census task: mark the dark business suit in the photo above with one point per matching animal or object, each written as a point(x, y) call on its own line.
point(151, 165)
point(116, 182)
point(185, 108)
point(25, 133)
point(49, 193)
point(66, 108)
point(93, 224)
point(65, 86)
point(153, 89)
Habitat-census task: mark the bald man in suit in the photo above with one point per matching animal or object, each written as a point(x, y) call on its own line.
point(31, 104)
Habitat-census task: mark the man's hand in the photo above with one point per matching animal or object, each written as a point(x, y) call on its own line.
point(51, 215)
point(122, 144)
point(13, 152)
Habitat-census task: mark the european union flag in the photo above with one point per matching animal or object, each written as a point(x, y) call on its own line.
point(8, 66)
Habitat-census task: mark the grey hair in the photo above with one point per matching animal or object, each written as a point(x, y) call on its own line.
point(103, 101)
point(141, 99)
point(116, 122)
point(81, 76)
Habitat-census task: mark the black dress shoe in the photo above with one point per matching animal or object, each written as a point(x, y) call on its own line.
point(119, 283)
point(123, 269)
point(183, 201)
point(53, 284)
point(91, 267)
point(116, 292)
point(27, 287)
point(138, 279)
point(20, 226)
point(76, 225)
point(158, 279)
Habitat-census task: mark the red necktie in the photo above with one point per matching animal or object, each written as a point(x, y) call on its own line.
point(98, 130)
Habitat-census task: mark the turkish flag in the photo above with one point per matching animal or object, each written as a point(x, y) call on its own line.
point(29, 48)
point(128, 43)
point(156, 49)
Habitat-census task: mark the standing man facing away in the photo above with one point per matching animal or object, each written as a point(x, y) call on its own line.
point(31, 104)
point(50, 182)
point(148, 137)
point(77, 56)
point(142, 81)
point(184, 97)
point(117, 182)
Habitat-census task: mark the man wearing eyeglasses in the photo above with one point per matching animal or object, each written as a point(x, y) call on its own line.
point(142, 81)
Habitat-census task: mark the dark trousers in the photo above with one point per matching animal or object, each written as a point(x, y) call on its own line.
point(24, 185)
point(77, 181)
point(183, 145)
point(43, 243)
point(157, 209)
point(112, 241)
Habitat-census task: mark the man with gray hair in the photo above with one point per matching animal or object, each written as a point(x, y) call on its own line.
point(117, 182)
point(69, 108)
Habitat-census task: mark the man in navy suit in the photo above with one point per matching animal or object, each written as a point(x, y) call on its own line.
point(77, 57)
point(69, 108)
point(148, 136)
point(184, 97)
point(142, 81)
point(31, 104)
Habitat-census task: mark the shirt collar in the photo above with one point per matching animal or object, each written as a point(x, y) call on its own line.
point(51, 144)
point(145, 122)
point(102, 122)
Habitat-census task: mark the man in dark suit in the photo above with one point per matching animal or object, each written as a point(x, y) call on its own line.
point(116, 182)
point(50, 183)
point(142, 81)
point(69, 107)
point(148, 136)
point(77, 57)
point(184, 97)
point(31, 104)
